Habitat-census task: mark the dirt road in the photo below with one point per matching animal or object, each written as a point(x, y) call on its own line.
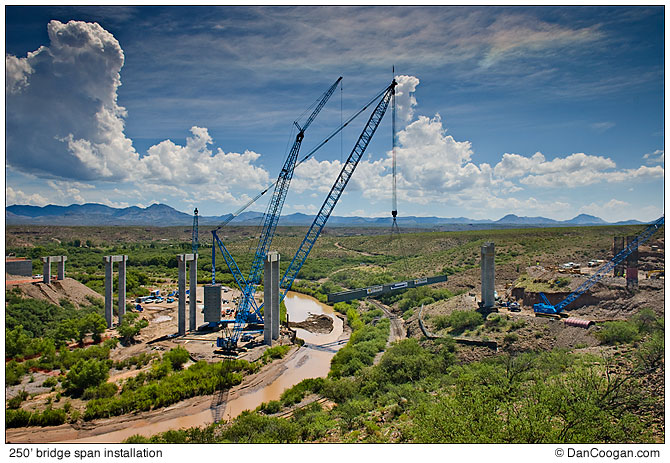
point(397, 331)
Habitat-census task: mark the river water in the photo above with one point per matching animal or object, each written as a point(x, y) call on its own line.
point(312, 360)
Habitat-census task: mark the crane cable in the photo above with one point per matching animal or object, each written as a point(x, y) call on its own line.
point(307, 156)
point(394, 207)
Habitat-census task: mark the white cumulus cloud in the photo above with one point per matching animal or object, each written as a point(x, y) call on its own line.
point(63, 119)
point(14, 196)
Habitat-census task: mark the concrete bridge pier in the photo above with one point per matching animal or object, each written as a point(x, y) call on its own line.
point(271, 298)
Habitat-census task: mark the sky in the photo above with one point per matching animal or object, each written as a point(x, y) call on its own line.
point(533, 111)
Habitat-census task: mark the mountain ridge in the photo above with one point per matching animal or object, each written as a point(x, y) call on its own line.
point(157, 214)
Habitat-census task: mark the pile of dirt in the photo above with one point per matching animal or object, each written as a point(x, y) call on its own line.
point(321, 324)
point(67, 288)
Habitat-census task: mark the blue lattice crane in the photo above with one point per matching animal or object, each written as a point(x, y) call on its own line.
point(271, 219)
point(324, 213)
point(336, 190)
point(545, 307)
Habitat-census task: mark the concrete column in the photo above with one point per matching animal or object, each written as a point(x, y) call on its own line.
point(122, 287)
point(193, 283)
point(488, 274)
point(181, 310)
point(61, 267)
point(271, 298)
point(267, 301)
point(109, 290)
point(46, 270)
point(617, 247)
point(631, 266)
point(274, 281)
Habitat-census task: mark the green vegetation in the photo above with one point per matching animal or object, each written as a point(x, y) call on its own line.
point(130, 327)
point(458, 321)
point(275, 352)
point(618, 332)
point(365, 342)
point(85, 374)
point(167, 388)
point(63, 360)
point(27, 320)
point(177, 357)
point(49, 417)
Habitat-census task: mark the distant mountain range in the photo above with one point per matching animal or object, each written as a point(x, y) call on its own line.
point(163, 216)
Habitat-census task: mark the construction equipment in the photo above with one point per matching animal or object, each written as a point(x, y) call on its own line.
point(247, 310)
point(313, 233)
point(274, 210)
point(545, 307)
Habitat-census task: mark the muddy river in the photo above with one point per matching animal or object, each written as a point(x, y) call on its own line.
point(310, 361)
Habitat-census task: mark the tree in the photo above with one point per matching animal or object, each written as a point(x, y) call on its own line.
point(177, 357)
point(130, 327)
point(85, 374)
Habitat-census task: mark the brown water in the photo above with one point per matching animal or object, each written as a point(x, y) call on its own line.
point(311, 360)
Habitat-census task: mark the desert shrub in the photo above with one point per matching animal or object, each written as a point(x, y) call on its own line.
point(441, 322)
point(406, 361)
point(647, 321)
point(15, 402)
point(201, 378)
point(618, 332)
point(85, 374)
point(651, 352)
point(369, 315)
point(131, 327)
point(251, 427)
point(102, 391)
point(49, 417)
point(50, 382)
point(177, 357)
point(516, 324)
point(275, 352)
point(510, 338)
point(460, 320)
point(298, 392)
point(14, 371)
point(17, 418)
point(365, 342)
point(495, 321)
point(271, 407)
point(313, 422)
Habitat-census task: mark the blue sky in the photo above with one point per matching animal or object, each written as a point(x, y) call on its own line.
point(551, 111)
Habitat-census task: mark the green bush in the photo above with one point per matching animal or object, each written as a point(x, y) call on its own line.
point(651, 352)
point(460, 320)
point(50, 382)
point(271, 407)
point(252, 427)
point(85, 374)
point(618, 332)
point(275, 352)
point(647, 321)
point(15, 402)
point(201, 378)
point(406, 361)
point(177, 357)
point(131, 327)
point(14, 371)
